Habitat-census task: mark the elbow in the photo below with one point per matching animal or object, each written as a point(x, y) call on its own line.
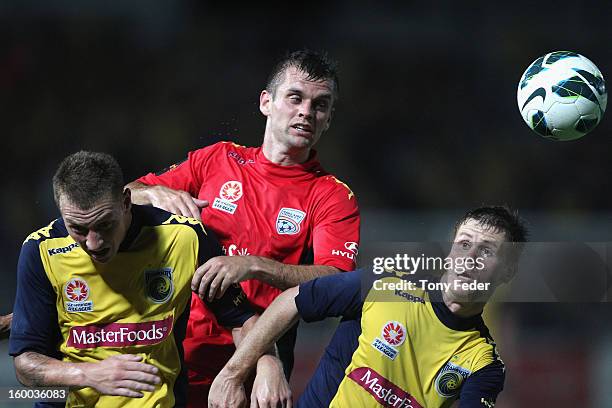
point(21, 370)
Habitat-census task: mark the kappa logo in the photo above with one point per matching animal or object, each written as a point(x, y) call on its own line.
point(231, 191)
point(77, 292)
point(394, 333)
point(450, 379)
point(159, 285)
point(289, 220)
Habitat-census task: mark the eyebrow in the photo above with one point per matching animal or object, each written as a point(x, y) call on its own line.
point(103, 219)
point(325, 95)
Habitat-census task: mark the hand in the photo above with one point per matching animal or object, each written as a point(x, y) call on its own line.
point(270, 389)
point(5, 322)
point(219, 273)
point(226, 392)
point(176, 201)
point(121, 374)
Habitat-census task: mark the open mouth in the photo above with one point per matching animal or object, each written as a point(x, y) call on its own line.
point(302, 128)
point(100, 254)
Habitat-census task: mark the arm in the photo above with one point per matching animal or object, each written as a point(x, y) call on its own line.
point(335, 295)
point(482, 387)
point(122, 374)
point(335, 242)
point(217, 274)
point(277, 319)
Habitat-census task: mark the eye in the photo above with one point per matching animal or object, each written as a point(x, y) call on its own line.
point(295, 98)
point(105, 226)
point(322, 106)
point(486, 252)
point(465, 245)
point(79, 230)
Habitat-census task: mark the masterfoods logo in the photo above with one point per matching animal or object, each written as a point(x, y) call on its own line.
point(384, 391)
point(120, 334)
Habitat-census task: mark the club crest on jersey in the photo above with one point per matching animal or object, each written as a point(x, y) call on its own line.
point(77, 292)
point(450, 379)
point(230, 191)
point(159, 285)
point(394, 333)
point(288, 221)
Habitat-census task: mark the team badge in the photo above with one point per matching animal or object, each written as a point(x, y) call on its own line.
point(159, 285)
point(231, 191)
point(450, 379)
point(77, 293)
point(288, 221)
point(394, 333)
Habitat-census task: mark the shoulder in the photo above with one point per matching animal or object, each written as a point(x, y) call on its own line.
point(149, 216)
point(55, 229)
point(333, 186)
point(223, 149)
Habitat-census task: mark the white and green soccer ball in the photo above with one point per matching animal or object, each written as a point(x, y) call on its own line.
point(562, 96)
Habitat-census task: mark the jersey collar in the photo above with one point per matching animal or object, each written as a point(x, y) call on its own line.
point(448, 318)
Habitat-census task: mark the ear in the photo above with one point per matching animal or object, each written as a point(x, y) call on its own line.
point(265, 99)
point(329, 119)
point(127, 200)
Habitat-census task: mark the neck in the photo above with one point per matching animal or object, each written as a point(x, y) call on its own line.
point(284, 155)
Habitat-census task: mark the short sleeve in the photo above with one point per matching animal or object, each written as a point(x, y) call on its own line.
point(35, 325)
point(330, 296)
point(482, 387)
point(336, 229)
point(232, 309)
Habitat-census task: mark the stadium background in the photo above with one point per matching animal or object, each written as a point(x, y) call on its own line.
point(426, 127)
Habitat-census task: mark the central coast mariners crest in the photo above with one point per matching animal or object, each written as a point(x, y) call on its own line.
point(158, 284)
point(288, 221)
point(450, 379)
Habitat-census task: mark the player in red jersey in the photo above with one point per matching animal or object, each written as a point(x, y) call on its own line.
point(274, 203)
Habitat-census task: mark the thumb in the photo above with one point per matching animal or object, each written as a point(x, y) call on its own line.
point(200, 203)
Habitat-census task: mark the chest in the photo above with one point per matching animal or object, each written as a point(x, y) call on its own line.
point(254, 215)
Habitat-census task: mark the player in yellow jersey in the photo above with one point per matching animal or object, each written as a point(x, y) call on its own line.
point(103, 295)
point(419, 344)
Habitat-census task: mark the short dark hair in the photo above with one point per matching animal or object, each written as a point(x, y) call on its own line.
point(86, 177)
point(317, 65)
point(499, 219)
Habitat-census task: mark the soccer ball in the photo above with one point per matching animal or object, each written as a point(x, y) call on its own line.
point(562, 96)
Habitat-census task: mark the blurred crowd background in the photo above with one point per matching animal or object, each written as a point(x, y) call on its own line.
point(426, 127)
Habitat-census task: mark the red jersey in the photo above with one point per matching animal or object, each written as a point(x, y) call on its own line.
point(295, 214)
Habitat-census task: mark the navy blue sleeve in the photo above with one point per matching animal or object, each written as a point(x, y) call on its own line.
point(330, 296)
point(209, 244)
point(35, 326)
point(481, 388)
point(232, 309)
point(324, 383)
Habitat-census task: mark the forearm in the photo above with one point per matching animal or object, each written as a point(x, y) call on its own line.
point(285, 276)
point(37, 370)
point(272, 324)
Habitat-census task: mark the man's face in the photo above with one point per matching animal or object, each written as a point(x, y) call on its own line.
point(299, 111)
point(99, 230)
point(478, 255)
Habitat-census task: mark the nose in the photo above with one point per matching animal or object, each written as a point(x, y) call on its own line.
point(306, 109)
point(93, 241)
